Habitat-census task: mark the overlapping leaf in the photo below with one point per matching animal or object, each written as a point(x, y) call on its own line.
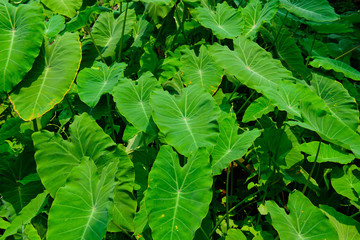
point(133, 101)
point(88, 213)
point(346, 181)
point(188, 121)
point(21, 34)
point(98, 80)
point(47, 82)
point(201, 69)
point(64, 7)
point(225, 22)
point(184, 194)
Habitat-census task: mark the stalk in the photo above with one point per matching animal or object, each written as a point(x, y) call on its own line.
point(227, 198)
point(122, 32)
point(278, 33)
point(247, 100)
point(347, 52)
point(70, 106)
point(122, 229)
point(93, 40)
point(111, 120)
point(312, 47)
point(312, 169)
point(35, 125)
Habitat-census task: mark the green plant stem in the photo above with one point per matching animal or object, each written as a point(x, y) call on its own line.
point(70, 106)
point(227, 198)
point(35, 125)
point(347, 52)
point(247, 100)
point(111, 120)
point(312, 169)
point(93, 40)
point(232, 209)
point(278, 33)
point(233, 92)
point(312, 47)
point(355, 214)
point(122, 33)
point(122, 229)
point(203, 231)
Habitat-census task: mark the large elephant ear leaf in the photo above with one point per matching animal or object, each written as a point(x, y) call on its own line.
point(47, 82)
point(184, 194)
point(255, 16)
point(21, 34)
point(225, 22)
point(313, 10)
point(201, 70)
point(337, 66)
point(188, 121)
point(100, 79)
point(338, 99)
point(88, 213)
point(56, 157)
point(346, 181)
point(64, 7)
point(132, 100)
point(305, 221)
point(107, 31)
point(230, 145)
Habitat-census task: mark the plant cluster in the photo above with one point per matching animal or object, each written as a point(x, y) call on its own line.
point(179, 119)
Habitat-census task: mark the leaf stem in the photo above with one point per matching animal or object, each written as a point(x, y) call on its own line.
point(122, 229)
point(227, 197)
point(93, 40)
point(111, 120)
point(312, 47)
point(347, 52)
point(278, 33)
point(312, 169)
point(35, 125)
point(247, 100)
point(70, 106)
point(122, 32)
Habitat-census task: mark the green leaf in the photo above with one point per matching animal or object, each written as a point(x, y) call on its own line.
point(54, 25)
point(235, 234)
point(313, 10)
point(88, 213)
point(184, 194)
point(346, 227)
point(255, 16)
point(84, 18)
point(201, 70)
point(30, 233)
point(231, 145)
point(100, 79)
point(4, 224)
point(142, 31)
point(346, 181)
point(327, 153)
point(225, 22)
point(47, 82)
point(337, 66)
point(132, 100)
point(163, 2)
point(56, 157)
point(257, 109)
point(64, 7)
point(21, 33)
point(124, 201)
point(26, 214)
point(107, 31)
point(156, 11)
point(338, 99)
point(305, 221)
point(188, 121)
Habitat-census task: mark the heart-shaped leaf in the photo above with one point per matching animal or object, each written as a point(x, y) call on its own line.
point(64, 7)
point(346, 181)
point(21, 33)
point(184, 194)
point(47, 82)
point(188, 121)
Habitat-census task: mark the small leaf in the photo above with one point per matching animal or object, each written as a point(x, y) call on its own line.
point(54, 25)
point(257, 109)
point(184, 194)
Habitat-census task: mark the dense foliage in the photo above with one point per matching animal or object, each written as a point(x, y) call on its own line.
point(187, 119)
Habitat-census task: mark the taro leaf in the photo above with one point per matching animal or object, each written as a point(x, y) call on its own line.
point(346, 227)
point(54, 25)
point(55, 157)
point(305, 221)
point(47, 82)
point(21, 34)
point(328, 127)
point(327, 153)
point(346, 181)
point(257, 109)
point(100, 79)
point(83, 19)
point(225, 22)
point(4, 224)
point(141, 32)
point(26, 214)
point(30, 233)
point(124, 202)
point(235, 234)
point(255, 16)
point(313, 10)
point(157, 10)
point(231, 145)
point(332, 27)
point(188, 121)
point(178, 197)
point(132, 100)
point(64, 7)
point(88, 213)
point(107, 31)
point(201, 70)
point(337, 66)
point(337, 98)
point(163, 2)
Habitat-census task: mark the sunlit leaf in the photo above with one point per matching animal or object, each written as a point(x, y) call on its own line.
point(64, 7)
